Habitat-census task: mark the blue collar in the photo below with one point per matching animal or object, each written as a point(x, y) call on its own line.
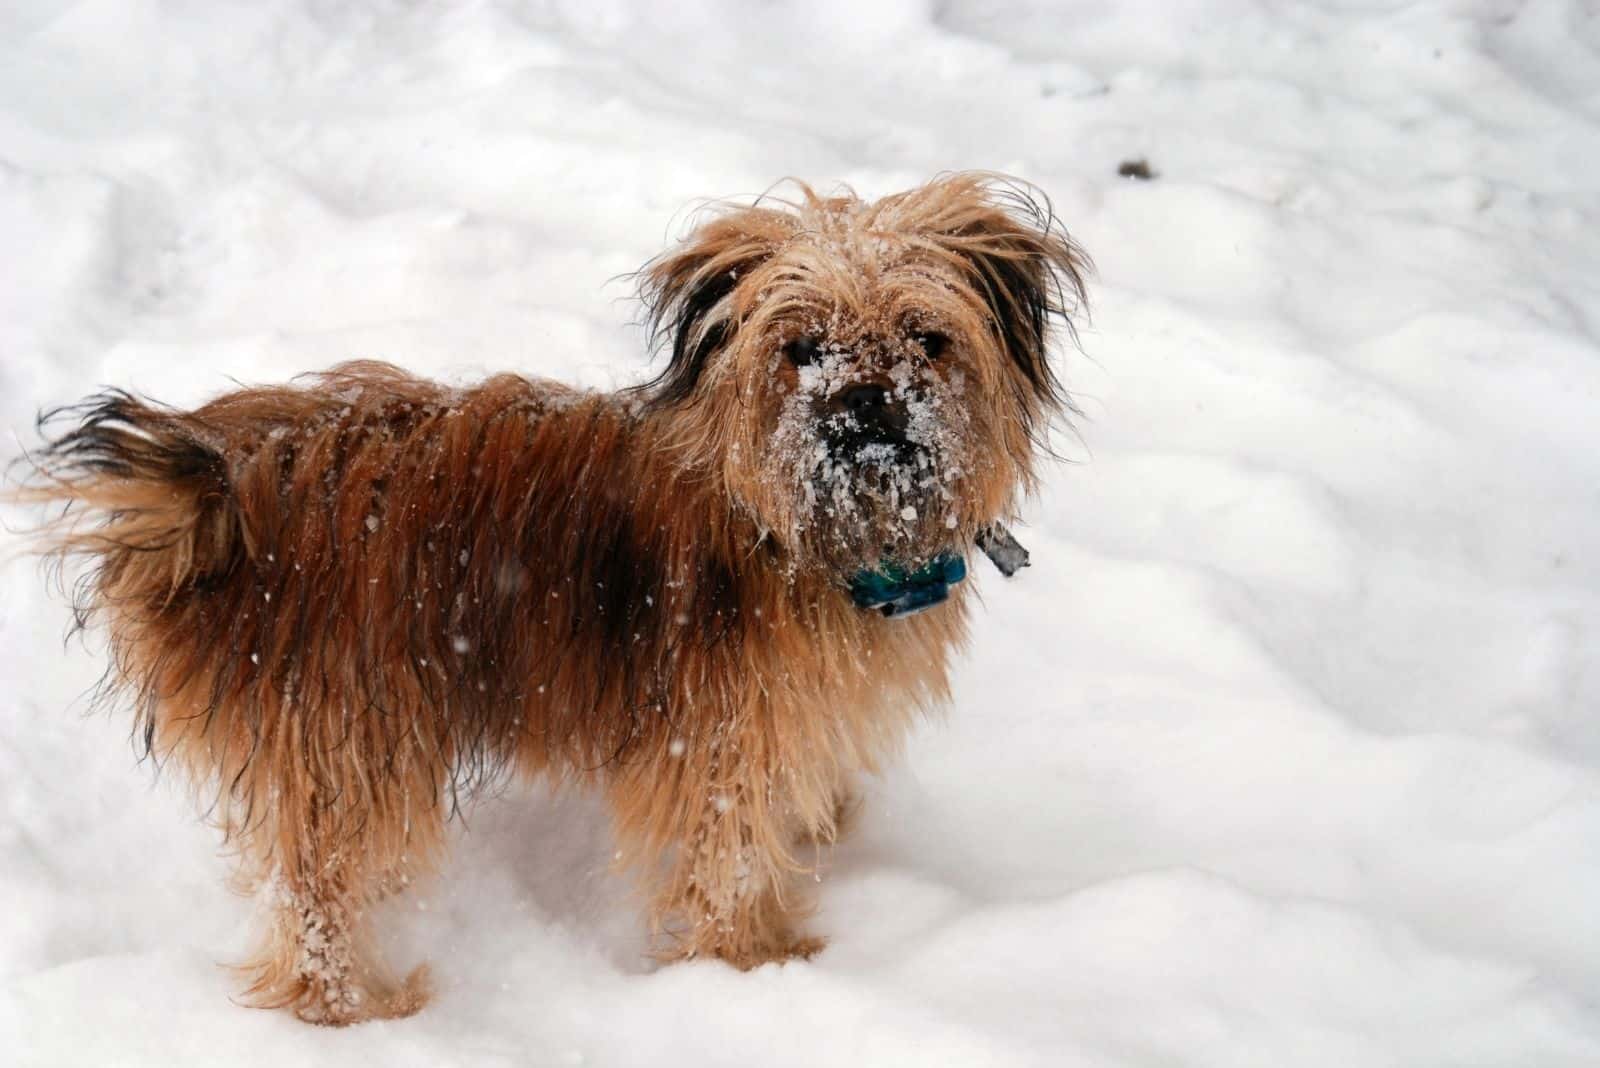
point(895, 592)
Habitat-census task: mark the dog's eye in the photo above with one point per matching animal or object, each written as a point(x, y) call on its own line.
point(803, 351)
point(932, 343)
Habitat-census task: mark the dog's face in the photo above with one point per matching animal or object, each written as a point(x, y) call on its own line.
point(870, 380)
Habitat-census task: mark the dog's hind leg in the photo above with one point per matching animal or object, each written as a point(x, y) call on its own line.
point(324, 856)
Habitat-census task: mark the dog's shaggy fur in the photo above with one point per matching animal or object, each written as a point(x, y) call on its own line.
point(346, 605)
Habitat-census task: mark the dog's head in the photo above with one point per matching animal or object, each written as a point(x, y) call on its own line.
point(870, 380)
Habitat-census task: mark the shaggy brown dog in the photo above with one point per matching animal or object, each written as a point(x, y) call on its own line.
point(346, 605)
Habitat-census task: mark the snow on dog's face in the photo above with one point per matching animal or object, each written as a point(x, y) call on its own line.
point(869, 380)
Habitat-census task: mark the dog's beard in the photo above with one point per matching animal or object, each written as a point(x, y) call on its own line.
point(866, 498)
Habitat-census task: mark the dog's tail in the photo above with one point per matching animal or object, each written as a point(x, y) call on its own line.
point(143, 495)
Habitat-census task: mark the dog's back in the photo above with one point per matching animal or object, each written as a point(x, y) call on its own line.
point(363, 544)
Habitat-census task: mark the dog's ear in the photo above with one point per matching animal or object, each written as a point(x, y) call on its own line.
point(690, 295)
point(1030, 274)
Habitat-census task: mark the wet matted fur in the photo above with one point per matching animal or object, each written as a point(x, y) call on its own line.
point(344, 606)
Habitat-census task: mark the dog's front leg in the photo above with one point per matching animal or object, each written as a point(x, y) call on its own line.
point(735, 897)
point(723, 831)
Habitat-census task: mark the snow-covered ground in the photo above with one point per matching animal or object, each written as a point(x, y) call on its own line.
point(1285, 752)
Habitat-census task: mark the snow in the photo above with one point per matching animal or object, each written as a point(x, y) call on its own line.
point(1283, 751)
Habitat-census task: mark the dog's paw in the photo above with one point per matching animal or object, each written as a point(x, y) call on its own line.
point(841, 822)
point(803, 948)
point(744, 955)
point(331, 1000)
point(794, 947)
point(343, 1004)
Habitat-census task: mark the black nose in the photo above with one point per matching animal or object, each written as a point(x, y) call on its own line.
point(865, 414)
point(865, 402)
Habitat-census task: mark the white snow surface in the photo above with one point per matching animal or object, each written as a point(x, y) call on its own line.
point(1286, 751)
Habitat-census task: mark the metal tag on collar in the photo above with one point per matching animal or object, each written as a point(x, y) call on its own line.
point(1006, 552)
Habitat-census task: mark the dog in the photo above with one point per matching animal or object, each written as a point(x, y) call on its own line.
point(345, 606)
